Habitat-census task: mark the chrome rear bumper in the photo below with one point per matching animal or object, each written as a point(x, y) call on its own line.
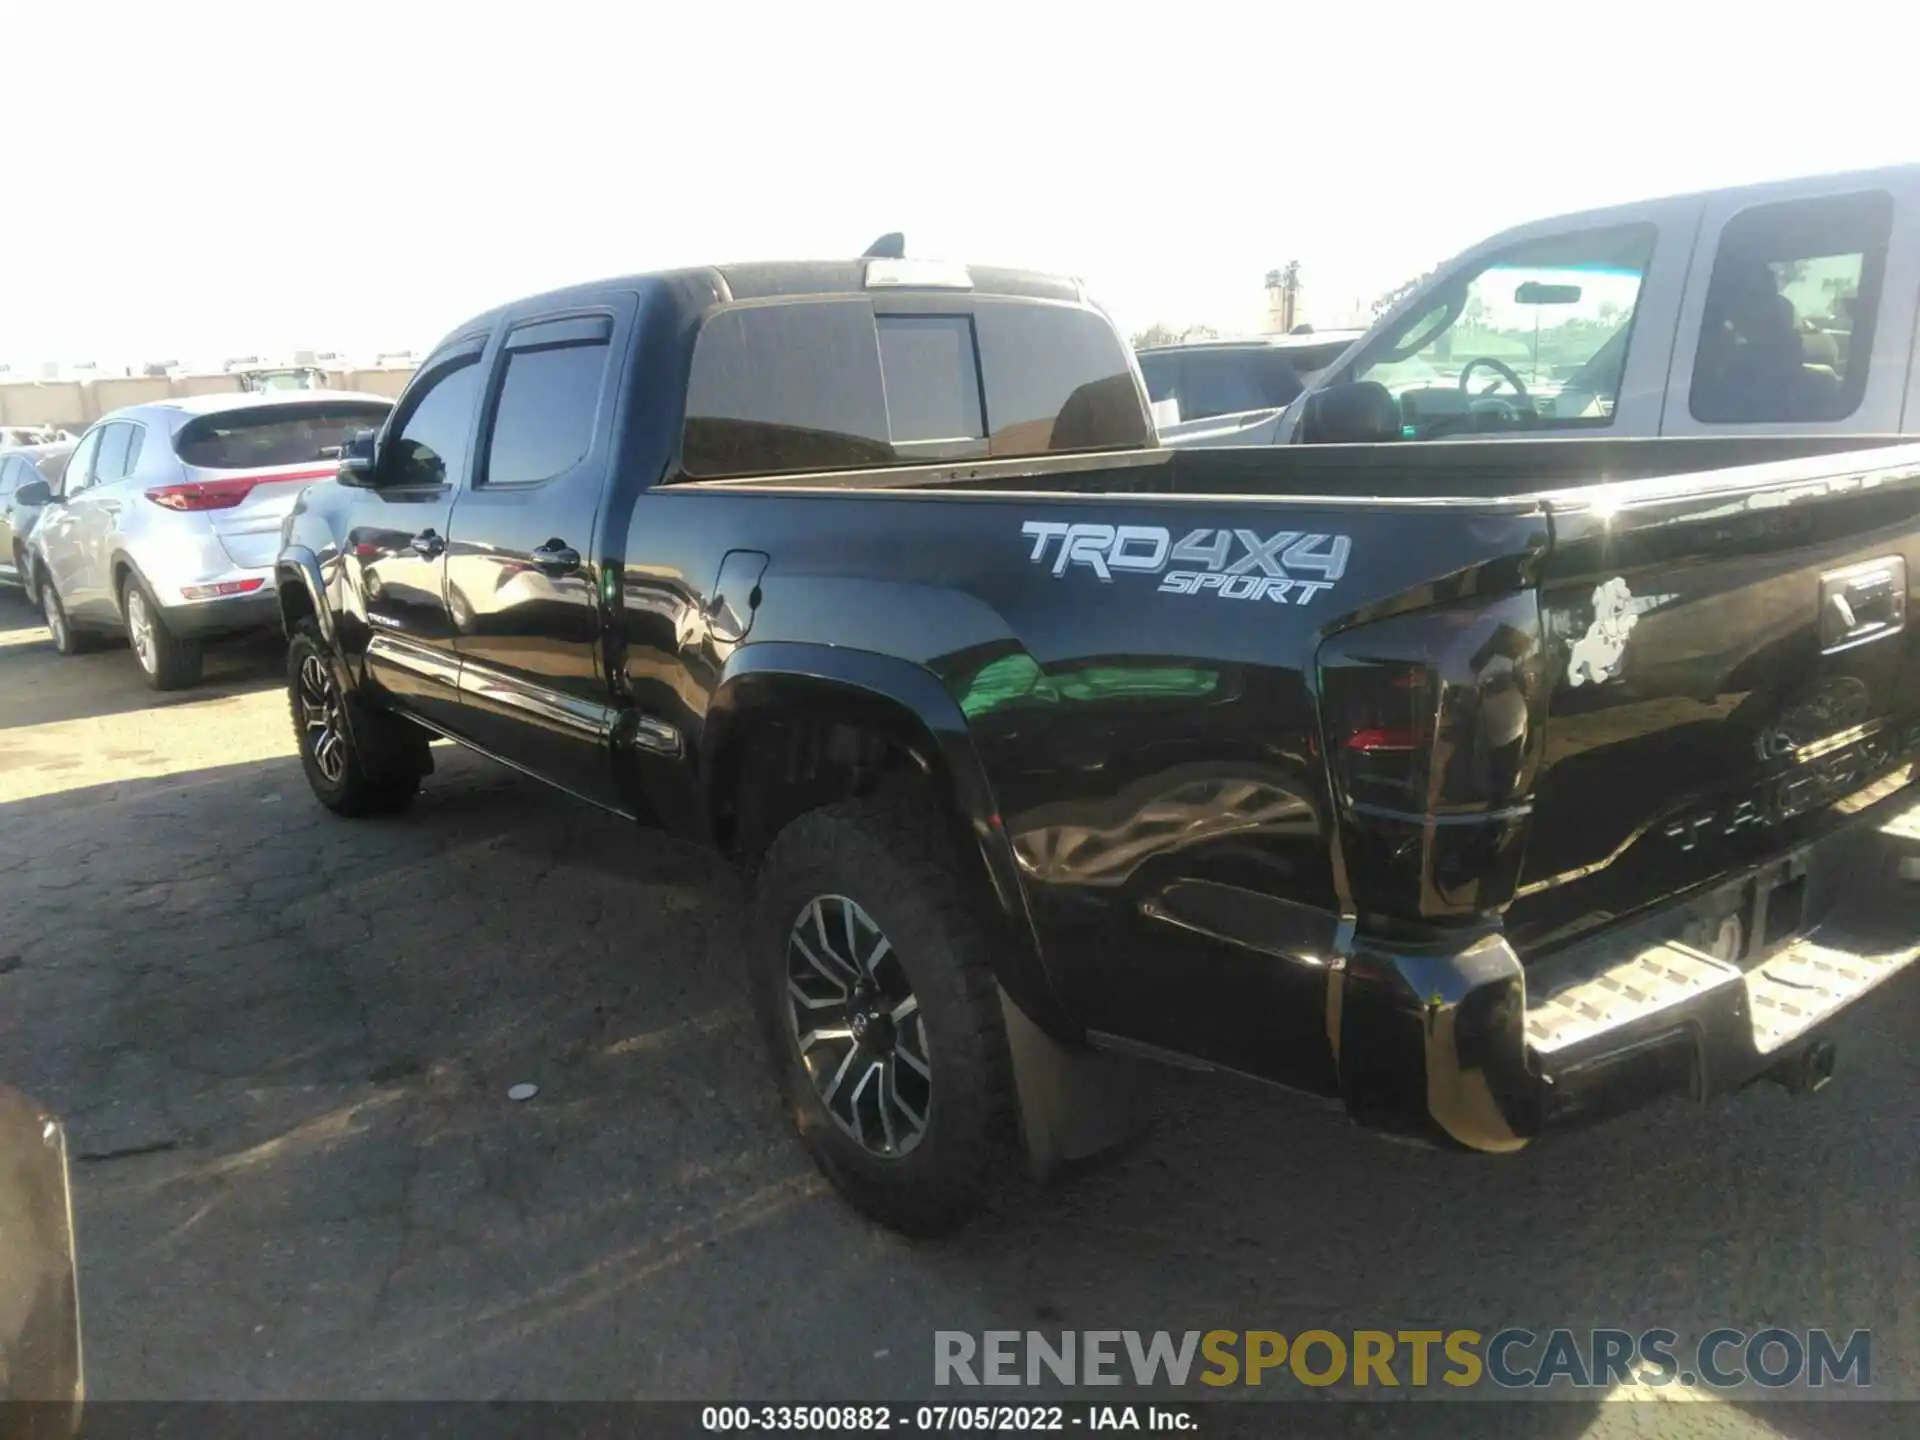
point(1645, 1008)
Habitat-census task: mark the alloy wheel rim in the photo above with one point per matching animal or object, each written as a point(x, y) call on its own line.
point(140, 628)
point(858, 1027)
point(56, 619)
point(321, 730)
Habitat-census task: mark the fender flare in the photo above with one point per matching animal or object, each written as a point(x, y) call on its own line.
point(760, 676)
point(297, 565)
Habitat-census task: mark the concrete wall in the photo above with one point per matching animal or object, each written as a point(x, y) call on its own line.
point(76, 404)
point(43, 402)
point(384, 381)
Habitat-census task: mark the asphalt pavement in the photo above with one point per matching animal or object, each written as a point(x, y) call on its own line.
point(283, 1044)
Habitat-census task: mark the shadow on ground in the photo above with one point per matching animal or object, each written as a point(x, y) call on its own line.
point(283, 1043)
point(44, 687)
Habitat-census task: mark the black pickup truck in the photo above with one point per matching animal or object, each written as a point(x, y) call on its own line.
point(1487, 787)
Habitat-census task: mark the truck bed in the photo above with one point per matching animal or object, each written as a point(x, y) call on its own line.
point(1651, 621)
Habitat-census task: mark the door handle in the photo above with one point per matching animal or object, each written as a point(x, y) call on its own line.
point(556, 557)
point(427, 545)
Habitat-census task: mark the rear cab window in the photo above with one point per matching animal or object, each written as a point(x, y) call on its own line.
point(779, 387)
point(263, 437)
point(1787, 331)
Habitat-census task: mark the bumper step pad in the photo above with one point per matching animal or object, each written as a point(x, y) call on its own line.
point(1872, 933)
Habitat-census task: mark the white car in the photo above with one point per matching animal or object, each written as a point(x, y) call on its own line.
point(167, 521)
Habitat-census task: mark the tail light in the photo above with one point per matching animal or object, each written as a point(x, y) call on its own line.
point(221, 589)
point(203, 494)
point(228, 491)
point(1433, 725)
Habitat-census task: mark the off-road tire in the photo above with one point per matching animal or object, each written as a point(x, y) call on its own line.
point(171, 663)
point(381, 758)
point(889, 855)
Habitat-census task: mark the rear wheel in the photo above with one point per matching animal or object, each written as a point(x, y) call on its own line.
point(880, 1013)
point(359, 762)
point(168, 662)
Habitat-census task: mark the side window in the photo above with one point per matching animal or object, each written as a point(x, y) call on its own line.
point(429, 447)
point(113, 462)
point(1788, 327)
point(549, 397)
point(80, 465)
point(1230, 382)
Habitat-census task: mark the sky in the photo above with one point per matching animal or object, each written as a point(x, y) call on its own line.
point(229, 178)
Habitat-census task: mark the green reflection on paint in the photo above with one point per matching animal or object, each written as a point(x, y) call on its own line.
point(1017, 678)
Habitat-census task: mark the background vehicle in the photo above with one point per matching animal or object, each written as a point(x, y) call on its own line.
point(1786, 308)
point(1038, 738)
point(19, 436)
point(266, 379)
point(45, 463)
point(168, 516)
point(1199, 382)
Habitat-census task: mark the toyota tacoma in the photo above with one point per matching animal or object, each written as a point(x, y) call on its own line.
point(1487, 787)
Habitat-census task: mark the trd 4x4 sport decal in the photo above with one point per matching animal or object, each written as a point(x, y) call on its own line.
point(1289, 567)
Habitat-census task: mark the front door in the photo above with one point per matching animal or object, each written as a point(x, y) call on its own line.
point(522, 567)
point(398, 540)
point(62, 535)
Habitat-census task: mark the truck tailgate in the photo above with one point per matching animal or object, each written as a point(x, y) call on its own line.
point(1736, 671)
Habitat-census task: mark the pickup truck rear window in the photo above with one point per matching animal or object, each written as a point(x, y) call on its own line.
point(792, 386)
point(261, 436)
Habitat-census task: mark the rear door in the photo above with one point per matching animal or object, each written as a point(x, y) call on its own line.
point(523, 573)
point(1799, 316)
point(1736, 663)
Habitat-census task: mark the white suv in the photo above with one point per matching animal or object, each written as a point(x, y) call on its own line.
point(167, 521)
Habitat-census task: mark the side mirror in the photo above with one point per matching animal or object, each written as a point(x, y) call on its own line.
point(358, 461)
point(34, 492)
point(1357, 412)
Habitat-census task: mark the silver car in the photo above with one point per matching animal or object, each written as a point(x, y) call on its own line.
point(18, 515)
point(167, 521)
